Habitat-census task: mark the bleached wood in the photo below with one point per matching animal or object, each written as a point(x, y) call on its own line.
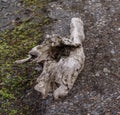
point(23, 60)
point(59, 75)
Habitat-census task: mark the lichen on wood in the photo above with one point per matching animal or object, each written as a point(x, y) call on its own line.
point(62, 58)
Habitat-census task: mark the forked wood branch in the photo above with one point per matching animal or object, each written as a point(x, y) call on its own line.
point(63, 61)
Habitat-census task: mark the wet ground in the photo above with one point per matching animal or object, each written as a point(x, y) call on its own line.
point(97, 89)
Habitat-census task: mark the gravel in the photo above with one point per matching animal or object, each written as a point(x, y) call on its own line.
point(10, 11)
point(97, 89)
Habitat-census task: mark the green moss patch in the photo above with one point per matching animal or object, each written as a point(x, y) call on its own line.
point(15, 44)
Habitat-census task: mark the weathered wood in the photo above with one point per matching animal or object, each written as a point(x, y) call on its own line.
point(63, 61)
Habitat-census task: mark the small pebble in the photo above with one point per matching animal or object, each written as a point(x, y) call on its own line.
point(112, 51)
point(105, 70)
point(111, 42)
point(19, 4)
point(118, 29)
point(97, 74)
point(118, 97)
point(4, 0)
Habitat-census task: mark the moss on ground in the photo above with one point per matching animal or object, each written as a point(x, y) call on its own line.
point(15, 44)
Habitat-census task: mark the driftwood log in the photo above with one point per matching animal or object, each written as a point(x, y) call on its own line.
point(62, 58)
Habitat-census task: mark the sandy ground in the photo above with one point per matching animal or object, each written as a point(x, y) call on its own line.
point(97, 89)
